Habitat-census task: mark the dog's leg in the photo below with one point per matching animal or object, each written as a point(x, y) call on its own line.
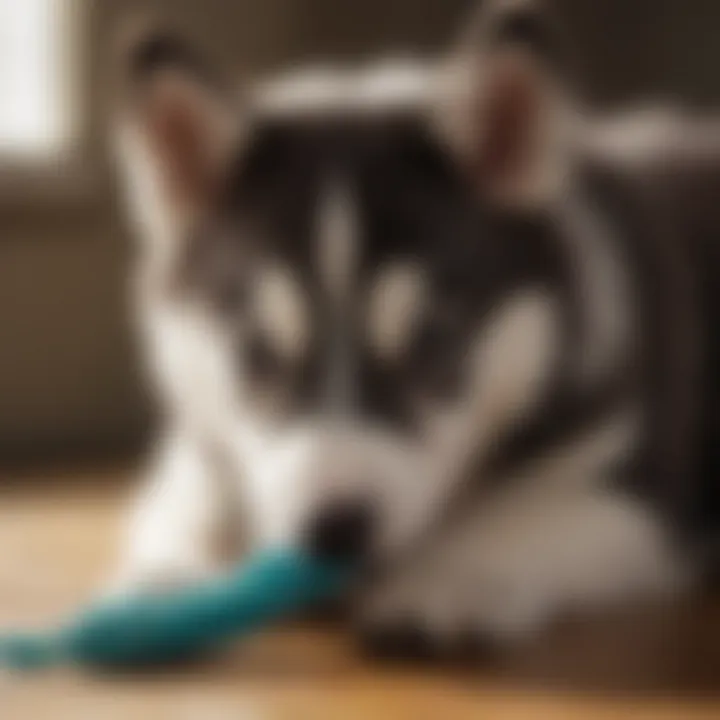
point(175, 522)
point(555, 541)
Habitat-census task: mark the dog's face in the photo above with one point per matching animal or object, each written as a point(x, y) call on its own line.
point(333, 300)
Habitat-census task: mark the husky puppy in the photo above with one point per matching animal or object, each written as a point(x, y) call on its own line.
point(431, 317)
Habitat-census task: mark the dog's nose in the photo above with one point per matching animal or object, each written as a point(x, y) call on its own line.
point(341, 532)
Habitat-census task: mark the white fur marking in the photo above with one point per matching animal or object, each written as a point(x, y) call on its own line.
point(337, 241)
point(173, 528)
point(395, 307)
point(282, 312)
point(337, 256)
point(390, 84)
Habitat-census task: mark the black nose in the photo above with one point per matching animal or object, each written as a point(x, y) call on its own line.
point(341, 532)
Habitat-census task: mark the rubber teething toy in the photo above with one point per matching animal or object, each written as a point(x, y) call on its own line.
point(147, 630)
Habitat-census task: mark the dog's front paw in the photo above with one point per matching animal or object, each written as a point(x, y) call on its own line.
point(440, 613)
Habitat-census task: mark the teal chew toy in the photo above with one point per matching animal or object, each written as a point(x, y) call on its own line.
point(142, 631)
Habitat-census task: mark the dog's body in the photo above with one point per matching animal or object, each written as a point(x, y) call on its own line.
point(485, 365)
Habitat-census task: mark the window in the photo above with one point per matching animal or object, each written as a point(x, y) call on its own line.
point(36, 99)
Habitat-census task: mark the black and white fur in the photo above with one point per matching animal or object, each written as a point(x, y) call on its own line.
point(426, 313)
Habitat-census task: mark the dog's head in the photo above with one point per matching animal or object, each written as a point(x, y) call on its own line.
point(341, 277)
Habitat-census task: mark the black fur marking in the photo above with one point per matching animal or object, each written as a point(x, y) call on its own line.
point(537, 31)
point(528, 28)
point(163, 50)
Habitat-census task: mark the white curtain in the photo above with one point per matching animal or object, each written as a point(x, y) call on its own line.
point(34, 78)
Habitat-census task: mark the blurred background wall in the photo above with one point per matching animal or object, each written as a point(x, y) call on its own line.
point(69, 384)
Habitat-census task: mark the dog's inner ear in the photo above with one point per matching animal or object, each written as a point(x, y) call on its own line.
point(180, 124)
point(506, 150)
point(505, 112)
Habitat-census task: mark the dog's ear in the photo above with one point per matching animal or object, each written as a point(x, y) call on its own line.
point(503, 108)
point(176, 128)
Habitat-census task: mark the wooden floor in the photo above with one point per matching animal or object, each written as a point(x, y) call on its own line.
point(57, 539)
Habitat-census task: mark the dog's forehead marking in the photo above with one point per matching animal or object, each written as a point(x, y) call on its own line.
point(337, 255)
point(337, 238)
